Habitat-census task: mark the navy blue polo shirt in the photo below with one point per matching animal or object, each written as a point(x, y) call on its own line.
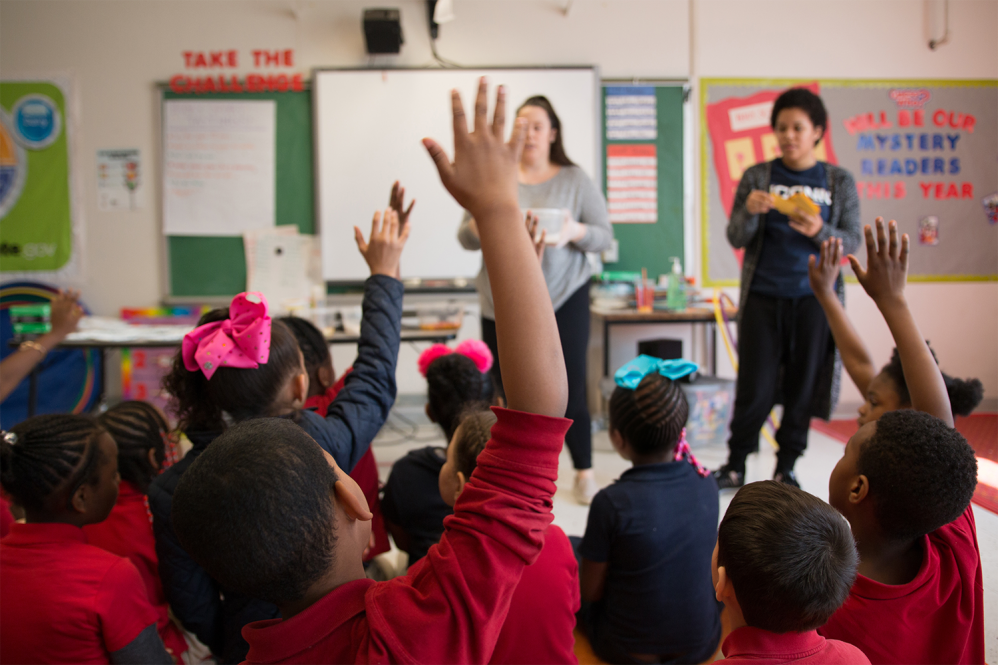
point(656, 527)
point(782, 268)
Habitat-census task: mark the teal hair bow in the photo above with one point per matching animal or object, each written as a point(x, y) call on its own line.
point(630, 375)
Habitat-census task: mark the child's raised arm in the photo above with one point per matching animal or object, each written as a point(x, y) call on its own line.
point(884, 279)
point(823, 271)
point(483, 179)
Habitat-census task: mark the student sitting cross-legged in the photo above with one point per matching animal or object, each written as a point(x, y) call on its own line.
point(904, 483)
point(538, 628)
point(783, 564)
point(269, 514)
point(645, 556)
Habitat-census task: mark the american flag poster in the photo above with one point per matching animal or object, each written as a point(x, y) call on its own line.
point(632, 183)
point(631, 113)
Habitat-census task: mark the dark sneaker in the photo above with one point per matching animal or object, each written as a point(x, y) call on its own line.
point(787, 477)
point(727, 478)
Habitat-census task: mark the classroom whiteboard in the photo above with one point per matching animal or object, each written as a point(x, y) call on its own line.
point(369, 126)
point(921, 152)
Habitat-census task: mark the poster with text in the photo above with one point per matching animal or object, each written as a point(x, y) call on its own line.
point(218, 178)
point(917, 150)
point(119, 179)
point(36, 203)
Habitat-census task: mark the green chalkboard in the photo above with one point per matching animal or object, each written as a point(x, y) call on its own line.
point(628, 123)
point(216, 266)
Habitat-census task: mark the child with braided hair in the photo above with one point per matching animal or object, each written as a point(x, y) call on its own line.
point(63, 600)
point(145, 447)
point(645, 556)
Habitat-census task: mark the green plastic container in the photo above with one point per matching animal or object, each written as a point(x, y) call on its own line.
point(31, 319)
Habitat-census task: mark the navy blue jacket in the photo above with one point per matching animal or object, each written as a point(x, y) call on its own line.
point(217, 615)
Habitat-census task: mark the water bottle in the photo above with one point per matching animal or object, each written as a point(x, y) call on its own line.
point(676, 297)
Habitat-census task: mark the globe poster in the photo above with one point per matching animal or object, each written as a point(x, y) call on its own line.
point(36, 217)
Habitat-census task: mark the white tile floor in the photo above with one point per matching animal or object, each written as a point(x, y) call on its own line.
point(813, 470)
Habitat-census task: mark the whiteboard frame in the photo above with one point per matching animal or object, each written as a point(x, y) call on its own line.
point(446, 283)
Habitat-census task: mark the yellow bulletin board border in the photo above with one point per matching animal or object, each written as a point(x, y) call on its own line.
point(705, 84)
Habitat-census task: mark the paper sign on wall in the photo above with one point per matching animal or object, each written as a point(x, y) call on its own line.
point(119, 180)
point(632, 183)
point(219, 175)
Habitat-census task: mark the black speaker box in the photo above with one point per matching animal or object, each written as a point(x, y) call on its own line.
point(382, 31)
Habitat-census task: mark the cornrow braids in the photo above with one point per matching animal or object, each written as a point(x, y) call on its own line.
point(652, 416)
point(310, 341)
point(137, 427)
point(46, 452)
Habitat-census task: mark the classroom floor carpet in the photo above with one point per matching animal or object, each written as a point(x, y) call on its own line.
point(981, 432)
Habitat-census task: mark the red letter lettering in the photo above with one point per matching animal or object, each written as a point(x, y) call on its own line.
point(968, 123)
point(899, 190)
point(199, 61)
point(884, 122)
point(939, 118)
point(234, 85)
point(179, 83)
point(919, 118)
point(256, 57)
point(272, 57)
point(296, 83)
point(232, 57)
point(216, 59)
point(187, 58)
point(904, 118)
point(951, 191)
point(860, 186)
point(289, 59)
point(939, 190)
point(968, 190)
point(926, 186)
point(254, 83)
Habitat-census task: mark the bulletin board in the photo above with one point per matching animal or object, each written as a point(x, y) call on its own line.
point(921, 152)
point(202, 266)
point(643, 179)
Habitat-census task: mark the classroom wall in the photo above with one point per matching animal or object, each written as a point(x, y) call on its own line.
point(116, 50)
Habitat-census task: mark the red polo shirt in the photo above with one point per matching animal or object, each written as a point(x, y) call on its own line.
point(453, 603)
point(938, 617)
point(64, 601)
point(365, 474)
point(127, 532)
point(762, 647)
point(541, 617)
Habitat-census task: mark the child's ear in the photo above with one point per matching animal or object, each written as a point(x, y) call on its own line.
point(352, 503)
point(78, 502)
point(724, 590)
point(153, 462)
point(299, 388)
point(617, 440)
point(859, 489)
point(461, 480)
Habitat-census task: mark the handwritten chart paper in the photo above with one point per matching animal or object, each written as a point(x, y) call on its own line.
point(219, 174)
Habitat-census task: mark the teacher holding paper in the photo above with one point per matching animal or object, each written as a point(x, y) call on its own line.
point(549, 181)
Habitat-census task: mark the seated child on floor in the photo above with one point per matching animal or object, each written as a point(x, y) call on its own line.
point(783, 563)
point(541, 616)
point(239, 364)
point(232, 506)
point(322, 390)
point(144, 448)
point(646, 553)
point(904, 483)
point(456, 381)
point(62, 600)
point(887, 390)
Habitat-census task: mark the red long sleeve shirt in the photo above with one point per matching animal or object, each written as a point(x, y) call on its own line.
point(452, 605)
point(127, 532)
point(938, 617)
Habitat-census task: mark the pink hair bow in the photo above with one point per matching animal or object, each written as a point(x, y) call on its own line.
point(242, 340)
point(475, 349)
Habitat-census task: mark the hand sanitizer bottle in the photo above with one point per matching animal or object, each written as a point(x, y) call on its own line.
point(676, 298)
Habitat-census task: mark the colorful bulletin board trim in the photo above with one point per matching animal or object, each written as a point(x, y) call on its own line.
point(917, 150)
point(36, 200)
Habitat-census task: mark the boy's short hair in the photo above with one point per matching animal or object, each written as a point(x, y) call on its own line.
point(471, 437)
point(806, 101)
point(255, 510)
point(922, 473)
point(790, 556)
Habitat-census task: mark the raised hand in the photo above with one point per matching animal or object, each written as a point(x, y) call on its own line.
point(537, 239)
point(66, 312)
point(823, 270)
point(397, 203)
point(384, 248)
point(483, 175)
point(886, 263)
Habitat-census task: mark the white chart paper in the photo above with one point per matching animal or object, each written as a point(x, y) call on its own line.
point(119, 180)
point(219, 175)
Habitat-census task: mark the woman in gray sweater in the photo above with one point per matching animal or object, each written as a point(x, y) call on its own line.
point(549, 179)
